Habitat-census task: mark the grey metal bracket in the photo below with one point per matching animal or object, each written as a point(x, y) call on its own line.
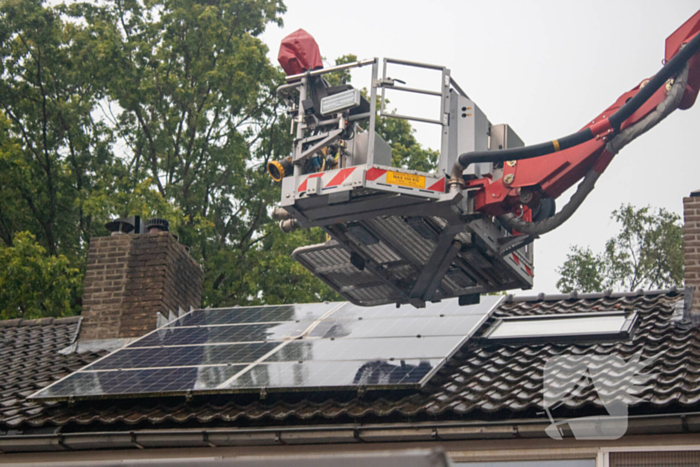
point(333, 135)
point(509, 244)
point(438, 264)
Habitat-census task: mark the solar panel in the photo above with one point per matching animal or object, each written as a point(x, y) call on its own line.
point(258, 314)
point(366, 349)
point(393, 327)
point(224, 334)
point(85, 384)
point(195, 355)
point(331, 375)
point(282, 348)
point(446, 308)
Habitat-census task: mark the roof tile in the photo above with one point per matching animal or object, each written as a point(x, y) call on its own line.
point(491, 380)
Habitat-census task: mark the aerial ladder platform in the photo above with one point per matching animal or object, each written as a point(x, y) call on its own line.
point(403, 236)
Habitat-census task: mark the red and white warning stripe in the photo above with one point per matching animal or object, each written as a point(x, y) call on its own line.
point(522, 265)
point(375, 177)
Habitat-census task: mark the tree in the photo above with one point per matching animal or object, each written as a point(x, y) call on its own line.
point(192, 95)
point(163, 108)
point(54, 157)
point(34, 284)
point(581, 271)
point(647, 253)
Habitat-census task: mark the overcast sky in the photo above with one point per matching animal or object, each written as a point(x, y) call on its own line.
point(544, 67)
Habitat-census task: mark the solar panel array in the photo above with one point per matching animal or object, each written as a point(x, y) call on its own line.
point(278, 348)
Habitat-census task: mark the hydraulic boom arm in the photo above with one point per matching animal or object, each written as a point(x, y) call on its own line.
point(549, 169)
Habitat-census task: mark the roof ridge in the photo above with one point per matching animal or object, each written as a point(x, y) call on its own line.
point(20, 322)
point(575, 295)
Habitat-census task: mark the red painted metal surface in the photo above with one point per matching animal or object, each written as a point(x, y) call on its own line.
point(374, 173)
point(555, 173)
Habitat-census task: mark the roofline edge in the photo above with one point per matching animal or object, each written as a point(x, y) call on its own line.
point(679, 423)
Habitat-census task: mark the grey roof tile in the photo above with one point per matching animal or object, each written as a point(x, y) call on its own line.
point(481, 379)
point(30, 360)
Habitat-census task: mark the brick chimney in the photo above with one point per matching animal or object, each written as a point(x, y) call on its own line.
point(131, 277)
point(691, 252)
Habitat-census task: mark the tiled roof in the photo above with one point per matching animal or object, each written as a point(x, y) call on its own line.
point(482, 381)
point(496, 378)
point(30, 360)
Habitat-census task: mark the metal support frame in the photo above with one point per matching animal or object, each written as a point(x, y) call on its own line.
point(330, 138)
point(510, 244)
point(465, 244)
point(372, 114)
point(468, 253)
point(300, 129)
point(369, 265)
point(301, 83)
point(441, 259)
point(323, 71)
point(388, 83)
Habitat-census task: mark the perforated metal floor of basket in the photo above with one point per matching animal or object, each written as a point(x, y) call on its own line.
point(397, 259)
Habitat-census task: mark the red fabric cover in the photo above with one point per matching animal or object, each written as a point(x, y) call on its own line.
point(299, 52)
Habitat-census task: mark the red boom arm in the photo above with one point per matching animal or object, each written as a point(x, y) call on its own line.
point(555, 173)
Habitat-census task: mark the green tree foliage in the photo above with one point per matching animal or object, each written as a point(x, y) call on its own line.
point(647, 253)
point(338, 77)
point(34, 284)
point(581, 271)
point(406, 152)
point(54, 157)
point(160, 108)
point(191, 93)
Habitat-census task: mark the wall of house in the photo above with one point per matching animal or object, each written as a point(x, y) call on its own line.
point(691, 249)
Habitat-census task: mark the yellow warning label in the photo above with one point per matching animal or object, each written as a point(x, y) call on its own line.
point(398, 178)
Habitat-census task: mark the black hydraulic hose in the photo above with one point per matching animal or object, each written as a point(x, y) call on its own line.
point(626, 136)
point(670, 68)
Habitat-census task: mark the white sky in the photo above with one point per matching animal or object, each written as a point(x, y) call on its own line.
point(544, 67)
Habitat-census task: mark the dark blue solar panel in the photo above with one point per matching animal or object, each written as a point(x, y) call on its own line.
point(326, 345)
point(223, 334)
point(195, 355)
point(147, 382)
point(258, 314)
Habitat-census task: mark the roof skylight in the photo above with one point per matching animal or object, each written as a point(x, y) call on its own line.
point(571, 327)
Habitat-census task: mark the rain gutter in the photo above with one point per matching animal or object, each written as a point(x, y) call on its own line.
point(337, 434)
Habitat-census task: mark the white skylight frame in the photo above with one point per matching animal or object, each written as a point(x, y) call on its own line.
point(573, 327)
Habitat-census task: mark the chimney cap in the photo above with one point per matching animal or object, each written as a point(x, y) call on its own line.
point(155, 223)
point(695, 194)
point(119, 226)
